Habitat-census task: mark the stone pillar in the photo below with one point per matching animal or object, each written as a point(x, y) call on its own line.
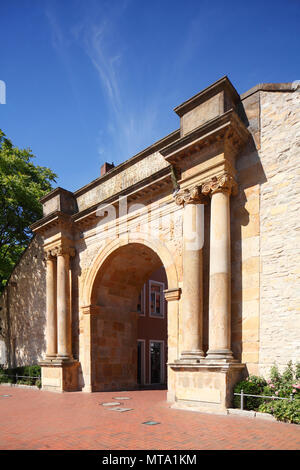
point(220, 188)
point(192, 295)
point(51, 314)
point(172, 296)
point(64, 332)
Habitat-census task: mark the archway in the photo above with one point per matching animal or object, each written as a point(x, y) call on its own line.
point(129, 332)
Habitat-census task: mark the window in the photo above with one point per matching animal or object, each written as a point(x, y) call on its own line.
point(156, 352)
point(156, 299)
point(141, 307)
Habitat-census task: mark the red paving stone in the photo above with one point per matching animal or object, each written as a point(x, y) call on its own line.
point(32, 419)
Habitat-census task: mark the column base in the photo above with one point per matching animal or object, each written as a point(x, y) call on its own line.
point(192, 356)
point(50, 357)
point(60, 375)
point(204, 387)
point(225, 355)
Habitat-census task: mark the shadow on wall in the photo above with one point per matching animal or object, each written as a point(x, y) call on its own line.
point(245, 257)
point(23, 312)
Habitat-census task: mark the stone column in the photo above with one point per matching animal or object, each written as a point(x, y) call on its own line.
point(172, 296)
point(51, 328)
point(192, 294)
point(220, 188)
point(64, 346)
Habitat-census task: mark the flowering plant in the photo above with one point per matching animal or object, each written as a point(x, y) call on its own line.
point(282, 385)
point(278, 385)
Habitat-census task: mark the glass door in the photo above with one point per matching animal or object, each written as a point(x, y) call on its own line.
point(156, 362)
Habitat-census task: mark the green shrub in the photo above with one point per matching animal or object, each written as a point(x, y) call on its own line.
point(254, 386)
point(31, 371)
point(25, 374)
point(297, 371)
point(5, 378)
point(283, 410)
point(282, 385)
point(38, 383)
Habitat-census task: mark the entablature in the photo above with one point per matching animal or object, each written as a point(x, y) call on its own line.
point(142, 192)
point(227, 131)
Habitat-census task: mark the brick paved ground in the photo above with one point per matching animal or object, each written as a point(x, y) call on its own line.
point(32, 419)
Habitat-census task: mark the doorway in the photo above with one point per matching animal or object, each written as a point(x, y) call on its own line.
point(129, 323)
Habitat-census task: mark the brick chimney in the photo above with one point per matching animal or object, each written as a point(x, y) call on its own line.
point(106, 167)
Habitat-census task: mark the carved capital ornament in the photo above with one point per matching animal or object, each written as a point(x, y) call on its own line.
point(190, 196)
point(59, 251)
point(223, 183)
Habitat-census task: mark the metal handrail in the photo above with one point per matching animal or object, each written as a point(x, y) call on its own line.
point(271, 397)
point(17, 376)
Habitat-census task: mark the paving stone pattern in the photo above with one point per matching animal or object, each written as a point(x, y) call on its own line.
point(32, 419)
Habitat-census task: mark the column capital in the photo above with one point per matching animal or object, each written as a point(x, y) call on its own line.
point(222, 183)
point(48, 255)
point(63, 250)
point(192, 195)
point(172, 294)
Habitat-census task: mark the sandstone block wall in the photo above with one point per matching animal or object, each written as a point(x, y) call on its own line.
point(280, 229)
point(23, 309)
point(265, 235)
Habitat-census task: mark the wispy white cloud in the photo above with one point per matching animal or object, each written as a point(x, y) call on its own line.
point(106, 62)
point(61, 43)
point(131, 119)
point(129, 123)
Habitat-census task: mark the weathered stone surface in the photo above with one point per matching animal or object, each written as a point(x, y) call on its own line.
point(279, 225)
point(23, 309)
point(239, 292)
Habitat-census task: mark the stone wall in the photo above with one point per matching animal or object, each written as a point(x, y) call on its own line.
point(279, 229)
point(23, 306)
point(2, 352)
point(265, 234)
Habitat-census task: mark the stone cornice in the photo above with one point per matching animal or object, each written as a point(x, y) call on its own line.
point(148, 187)
point(156, 147)
point(55, 192)
point(222, 183)
point(271, 87)
point(193, 195)
point(222, 84)
point(227, 130)
point(55, 219)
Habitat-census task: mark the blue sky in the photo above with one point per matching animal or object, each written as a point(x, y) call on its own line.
point(89, 81)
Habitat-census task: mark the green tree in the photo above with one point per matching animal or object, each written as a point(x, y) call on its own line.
point(22, 184)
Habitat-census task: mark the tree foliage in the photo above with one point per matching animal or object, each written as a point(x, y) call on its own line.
point(22, 184)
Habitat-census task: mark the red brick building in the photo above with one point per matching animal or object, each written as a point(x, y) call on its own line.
point(152, 331)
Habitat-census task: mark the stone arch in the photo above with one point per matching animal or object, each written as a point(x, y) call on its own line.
point(112, 288)
point(156, 246)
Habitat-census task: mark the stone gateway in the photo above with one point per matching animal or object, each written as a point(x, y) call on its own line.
point(215, 207)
